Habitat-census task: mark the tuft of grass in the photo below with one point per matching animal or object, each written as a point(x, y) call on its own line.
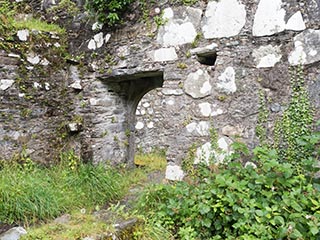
point(86, 224)
point(37, 24)
point(155, 160)
point(29, 196)
point(81, 225)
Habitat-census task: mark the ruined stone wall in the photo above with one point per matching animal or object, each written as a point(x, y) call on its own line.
point(207, 62)
point(256, 42)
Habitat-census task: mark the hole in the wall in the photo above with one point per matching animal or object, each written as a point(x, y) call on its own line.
point(207, 58)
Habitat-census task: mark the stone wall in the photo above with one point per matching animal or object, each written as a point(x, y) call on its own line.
point(255, 44)
point(207, 62)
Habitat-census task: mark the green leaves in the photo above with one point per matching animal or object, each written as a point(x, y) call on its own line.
point(108, 11)
point(273, 201)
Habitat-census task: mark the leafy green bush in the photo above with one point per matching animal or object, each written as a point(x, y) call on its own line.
point(108, 11)
point(33, 194)
point(273, 201)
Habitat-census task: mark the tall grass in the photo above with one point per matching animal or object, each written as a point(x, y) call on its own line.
point(30, 196)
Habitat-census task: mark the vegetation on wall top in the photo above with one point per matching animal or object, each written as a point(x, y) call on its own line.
point(108, 11)
point(111, 11)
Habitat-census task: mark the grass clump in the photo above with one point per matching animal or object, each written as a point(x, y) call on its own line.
point(37, 24)
point(9, 23)
point(36, 194)
point(80, 225)
point(156, 160)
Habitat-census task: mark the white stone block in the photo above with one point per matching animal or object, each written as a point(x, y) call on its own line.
point(5, 84)
point(92, 44)
point(97, 26)
point(36, 85)
point(164, 54)
point(269, 18)
point(306, 48)
point(296, 22)
point(139, 125)
point(205, 109)
point(33, 58)
point(98, 38)
point(150, 125)
point(197, 84)
point(224, 18)
point(23, 35)
point(93, 101)
point(191, 127)
point(168, 13)
point(47, 86)
point(76, 85)
point(227, 82)
point(174, 173)
point(178, 31)
point(203, 128)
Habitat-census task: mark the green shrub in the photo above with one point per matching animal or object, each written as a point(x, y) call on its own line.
point(273, 201)
point(108, 11)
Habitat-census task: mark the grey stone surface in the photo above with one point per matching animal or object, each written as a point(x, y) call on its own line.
point(307, 48)
point(226, 83)
point(164, 54)
point(13, 233)
point(267, 56)
point(197, 84)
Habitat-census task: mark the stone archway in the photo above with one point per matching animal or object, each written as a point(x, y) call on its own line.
point(133, 87)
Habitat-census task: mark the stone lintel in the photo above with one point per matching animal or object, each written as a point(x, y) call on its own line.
point(120, 75)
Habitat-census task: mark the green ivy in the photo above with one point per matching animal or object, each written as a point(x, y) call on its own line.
point(297, 118)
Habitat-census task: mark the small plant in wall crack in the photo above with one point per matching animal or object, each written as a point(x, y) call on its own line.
point(159, 20)
point(128, 132)
point(182, 65)
point(196, 40)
